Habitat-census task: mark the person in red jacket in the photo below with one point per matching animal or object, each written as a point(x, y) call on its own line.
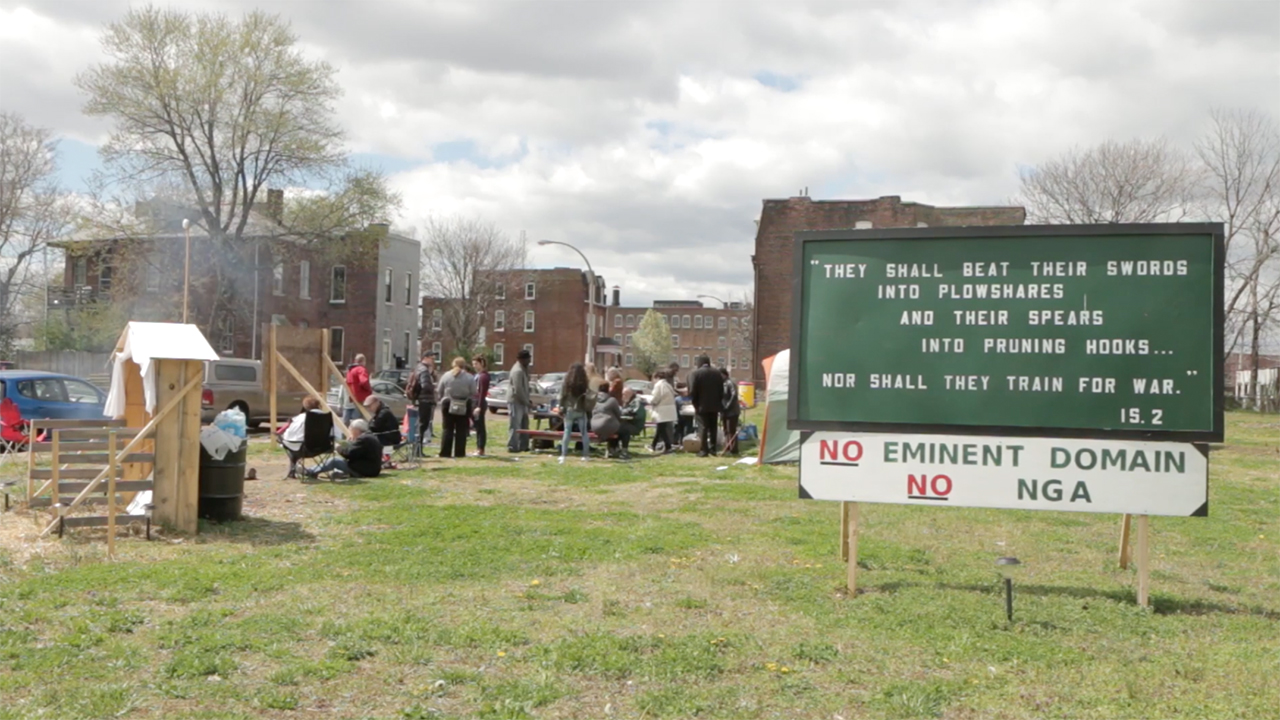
point(358, 388)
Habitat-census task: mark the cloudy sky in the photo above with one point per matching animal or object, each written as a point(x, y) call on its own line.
point(647, 133)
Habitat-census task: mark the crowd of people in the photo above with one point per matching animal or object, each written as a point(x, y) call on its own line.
point(589, 405)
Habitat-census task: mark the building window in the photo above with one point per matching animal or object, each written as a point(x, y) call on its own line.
point(336, 340)
point(498, 352)
point(733, 363)
point(104, 278)
point(277, 279)
point(338, 284)
point(722, 323)
point(437, 319)
point(631, 321)
point(80, 272)
point(734, 322)
point(697, 322)
point(862, 225)
point(529, 347)
point(684, 361)
point(435, 351)
point(720, 342)
point(499, 320)
point(675, 341)
point(386, 286)
point(277, 319)
point(408, 289)
point(386, 348)
point(530, 291)
point(628, 343)
point(408, 347)
point(304, 280)
point(617, 339)
point(153, 277)
point(501, 292)
point(617, 321)
point(688, 322)
point(627, 360)
point(528, 321)
point(709, 322)
point(720, 361)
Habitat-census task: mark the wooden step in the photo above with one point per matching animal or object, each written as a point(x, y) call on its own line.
point(76, 446)
point(123, 433)
point(44, 502)
point(80, 423)
point(74, 473)
point(99, 520)
point(103, 457)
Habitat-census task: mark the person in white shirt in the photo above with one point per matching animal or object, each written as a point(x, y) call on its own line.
point(293, 435)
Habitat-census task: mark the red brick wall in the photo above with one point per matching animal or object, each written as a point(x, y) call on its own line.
point(775, 239)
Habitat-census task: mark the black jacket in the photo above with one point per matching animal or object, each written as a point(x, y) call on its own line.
point(706, 390)
point(385, 426)
point(731, 407)
point(364, 455)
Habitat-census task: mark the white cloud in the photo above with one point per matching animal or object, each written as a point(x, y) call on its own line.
point(640, 131)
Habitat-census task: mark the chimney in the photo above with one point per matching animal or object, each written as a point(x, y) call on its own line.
point(617, 296)
point(275, 204)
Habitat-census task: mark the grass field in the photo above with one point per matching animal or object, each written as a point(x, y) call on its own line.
point(660, 588)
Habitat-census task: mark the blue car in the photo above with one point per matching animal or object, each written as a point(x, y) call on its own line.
point(50, 396)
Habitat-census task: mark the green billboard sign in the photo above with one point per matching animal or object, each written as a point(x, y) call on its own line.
point(1108, 331)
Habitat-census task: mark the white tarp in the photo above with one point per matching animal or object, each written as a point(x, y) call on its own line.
point(144, 342)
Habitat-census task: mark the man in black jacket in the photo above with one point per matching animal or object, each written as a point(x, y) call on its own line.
point(362, 457)
point(706, 390)
point(382, 422)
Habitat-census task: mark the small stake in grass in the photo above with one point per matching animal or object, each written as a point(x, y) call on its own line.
point(1007, 565)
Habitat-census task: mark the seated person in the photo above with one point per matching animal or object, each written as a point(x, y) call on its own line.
point(294, 433)
point(362, 457)
point(634, 412)
point(383, 423)
point(606, 420)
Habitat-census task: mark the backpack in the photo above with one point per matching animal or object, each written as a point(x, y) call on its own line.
point(411, 389)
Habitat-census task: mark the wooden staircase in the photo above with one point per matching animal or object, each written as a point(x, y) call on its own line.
point(80, 452)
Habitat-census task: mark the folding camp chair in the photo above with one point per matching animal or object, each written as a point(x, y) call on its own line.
point(403, 450)
point(13, 429)
point(317, 441)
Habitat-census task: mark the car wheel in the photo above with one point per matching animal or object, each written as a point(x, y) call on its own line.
point(493, 410)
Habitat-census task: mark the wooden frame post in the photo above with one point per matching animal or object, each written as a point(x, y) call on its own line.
point(844, 531)
point(1144, 562)
point(272, 387)
point(1124, 541)
point(850, 516)
point(111, 494)
point(56, 471)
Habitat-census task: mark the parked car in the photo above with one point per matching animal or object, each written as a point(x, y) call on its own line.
point(238, 383)
point(399, 376)
point(549, 379)
point(49, 396)
point(387, 391)
point(498, 395)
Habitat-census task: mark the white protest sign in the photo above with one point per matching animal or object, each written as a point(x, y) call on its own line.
point(1104, 476)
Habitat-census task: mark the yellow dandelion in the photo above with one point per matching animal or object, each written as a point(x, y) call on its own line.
point(945, 660)
point(536, 582)
point(784, 669)
point(502, 653)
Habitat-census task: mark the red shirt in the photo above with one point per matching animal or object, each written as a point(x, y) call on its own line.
point(358, 383)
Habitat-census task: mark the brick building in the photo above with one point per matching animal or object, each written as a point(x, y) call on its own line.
point(544, 311)
point(721, 333)
point(775, 239)
point(369, 304)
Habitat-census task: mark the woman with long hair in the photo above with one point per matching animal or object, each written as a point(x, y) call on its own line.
point(577, 400)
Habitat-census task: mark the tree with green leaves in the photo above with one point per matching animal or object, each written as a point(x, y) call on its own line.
point(217, 110)
point(652, 343)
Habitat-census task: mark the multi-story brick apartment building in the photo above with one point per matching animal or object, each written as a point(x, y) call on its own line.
point(721, 333)
point(544, 311)
point(780, 220)
point(368, 303)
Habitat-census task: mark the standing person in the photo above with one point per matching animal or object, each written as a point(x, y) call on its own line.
point(455, 390)
point(673, 374)
point(481, 365)
point(358, 389)
point(732, 410)
point(421, 389)
point(664, 413)
point(577, 400)
point(519, 404)
point(706, 390)
point(614, 376)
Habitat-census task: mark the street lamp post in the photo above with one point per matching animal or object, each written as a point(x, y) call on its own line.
point(591, 297)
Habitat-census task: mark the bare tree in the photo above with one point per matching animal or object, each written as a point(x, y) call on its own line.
point(226, 108)
point(32, 212)
point(472, 266)
point(1241, 156)
point(1115, 182)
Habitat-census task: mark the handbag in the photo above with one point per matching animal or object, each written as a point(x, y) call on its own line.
point(457, 408)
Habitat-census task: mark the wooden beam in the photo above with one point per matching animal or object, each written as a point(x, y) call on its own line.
point(844, 531)
point(1144, 563)
point(272, 385)
point(342, 378)
point(1124, 541)
point(324, 403)
point(111, 497)
point(177, 451)
point(853, 549)
point(137, 441)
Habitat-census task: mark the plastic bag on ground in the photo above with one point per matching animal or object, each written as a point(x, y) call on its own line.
point(218, 442)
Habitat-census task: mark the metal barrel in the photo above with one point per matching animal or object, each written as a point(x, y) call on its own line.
point(222, 485)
